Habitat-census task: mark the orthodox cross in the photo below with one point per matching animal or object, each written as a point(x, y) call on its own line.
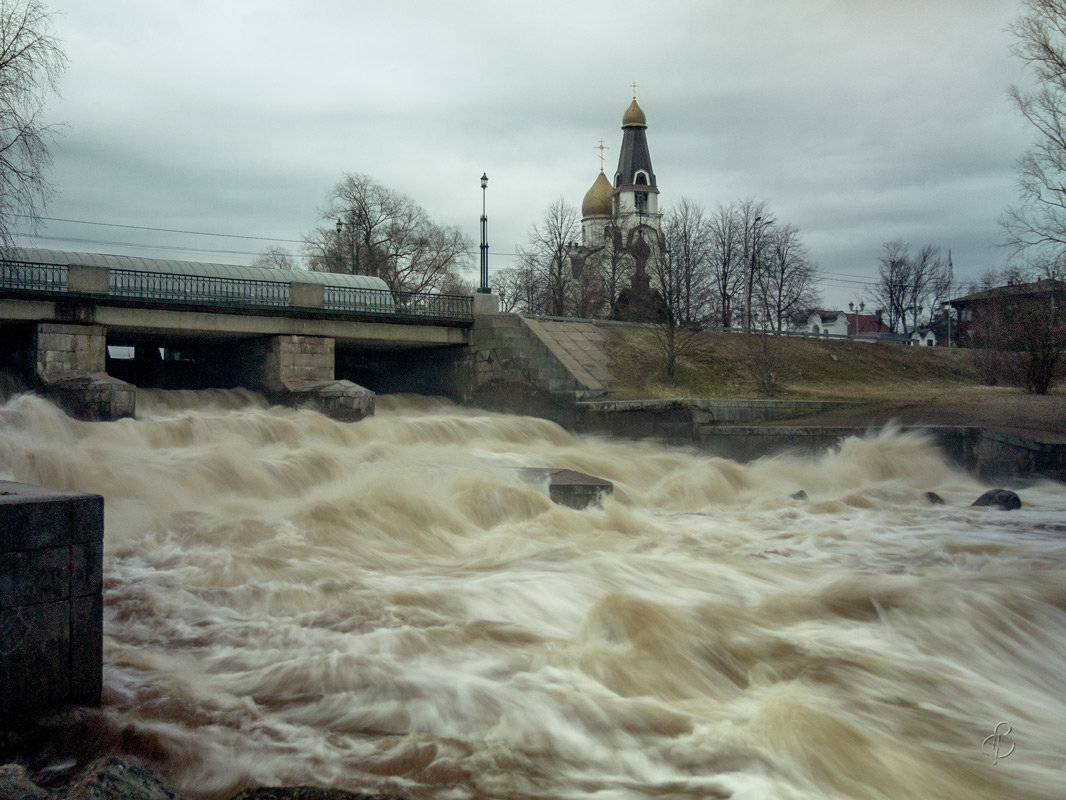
point(601, 147)
point(634, 90)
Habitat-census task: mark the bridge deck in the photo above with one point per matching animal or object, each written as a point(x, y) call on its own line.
point(275, 292)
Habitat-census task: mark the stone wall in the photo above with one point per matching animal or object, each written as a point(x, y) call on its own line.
point(62, 348)
point(275, 361)
point(509, 349)
point(70, 363)
point(51, 602)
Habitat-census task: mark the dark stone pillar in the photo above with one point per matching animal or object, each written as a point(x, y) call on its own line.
point(51, 599)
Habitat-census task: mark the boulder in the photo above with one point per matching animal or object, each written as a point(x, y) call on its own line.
point(934, 498)
point(1002, 498)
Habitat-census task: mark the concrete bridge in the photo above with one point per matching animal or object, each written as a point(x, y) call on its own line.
point(88, 329)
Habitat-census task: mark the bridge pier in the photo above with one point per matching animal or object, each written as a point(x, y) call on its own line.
point(298, 370)
point(69, 364)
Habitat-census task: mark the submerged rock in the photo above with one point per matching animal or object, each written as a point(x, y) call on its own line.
point(934, 498)
point(1002, 498)
point(800, 495)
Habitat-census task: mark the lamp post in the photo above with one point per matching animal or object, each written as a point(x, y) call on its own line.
point(751, 269)
point(484, 287)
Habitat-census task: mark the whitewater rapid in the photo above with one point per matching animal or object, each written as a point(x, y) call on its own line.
point(388, 606)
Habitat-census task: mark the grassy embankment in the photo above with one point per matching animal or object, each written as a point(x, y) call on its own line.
point(915, 385)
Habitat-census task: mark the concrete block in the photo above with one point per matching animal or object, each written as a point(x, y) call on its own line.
point(87, 279)
point(31, 577)
point(35, 660)
point(86, 566)
point(51, 602)
point(32, 518)
point(86, 649)
point(86, 518)
point(307, 295)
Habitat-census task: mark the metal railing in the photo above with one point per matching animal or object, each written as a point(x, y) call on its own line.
point(20, 275)
point(245, 293)
point(168, 287)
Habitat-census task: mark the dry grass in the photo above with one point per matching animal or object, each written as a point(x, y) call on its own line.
point(915, 385)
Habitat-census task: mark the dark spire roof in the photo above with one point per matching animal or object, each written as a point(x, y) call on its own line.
point(634, 156)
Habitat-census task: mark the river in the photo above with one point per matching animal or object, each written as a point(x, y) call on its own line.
point(387, 606)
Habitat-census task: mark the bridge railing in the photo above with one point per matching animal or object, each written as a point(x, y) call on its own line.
point(247, 293)
point(173, 288)
point(33, 277)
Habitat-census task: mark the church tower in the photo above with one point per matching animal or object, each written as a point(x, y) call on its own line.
point(635, 195)
point(621, 227)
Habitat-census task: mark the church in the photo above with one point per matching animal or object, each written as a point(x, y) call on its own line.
point(621, 227)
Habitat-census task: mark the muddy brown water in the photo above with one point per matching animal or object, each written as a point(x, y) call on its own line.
point(389, 606)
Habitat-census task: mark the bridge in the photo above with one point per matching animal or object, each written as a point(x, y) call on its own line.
point(88, 329)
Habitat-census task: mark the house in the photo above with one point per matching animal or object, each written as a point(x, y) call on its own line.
point(923, 337)
point(821, 322)
point(981, 315)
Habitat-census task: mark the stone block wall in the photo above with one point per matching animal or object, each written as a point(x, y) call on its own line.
point(51, 601)
point(506, 350)
point(62, 348)
point(276, 360)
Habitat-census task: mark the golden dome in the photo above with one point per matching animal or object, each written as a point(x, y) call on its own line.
point(597, 202)
point(634, 116)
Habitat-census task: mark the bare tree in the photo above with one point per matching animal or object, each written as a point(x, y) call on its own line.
point(891, 291)
point(518, 289)
point(785, 282)
point(31, 63)
point(547, 256)
point(727, 261)
point(911, 288)
point(675, 334)
point(1030, 323)
point(688, 236)
point(373, 230)
point(1038, 223)
point(275, 257)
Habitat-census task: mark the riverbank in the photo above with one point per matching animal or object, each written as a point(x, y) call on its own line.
point(876, 384)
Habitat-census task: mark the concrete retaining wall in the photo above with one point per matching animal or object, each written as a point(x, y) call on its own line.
point(51, 601)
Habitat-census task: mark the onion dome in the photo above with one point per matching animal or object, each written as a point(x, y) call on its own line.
point(597, 202)
point(634, 116)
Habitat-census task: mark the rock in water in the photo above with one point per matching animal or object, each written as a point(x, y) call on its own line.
point(16, 785)
point(1003, 498)
point(307, 793)
point(121, 779)
point(934, 498)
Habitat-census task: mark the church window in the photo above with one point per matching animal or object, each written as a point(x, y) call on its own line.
point(642, 202)
point(641, 178)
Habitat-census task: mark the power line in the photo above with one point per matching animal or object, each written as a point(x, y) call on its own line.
point(142, 246)
point(167, 230)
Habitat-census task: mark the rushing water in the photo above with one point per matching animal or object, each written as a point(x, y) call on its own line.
point(387, 606)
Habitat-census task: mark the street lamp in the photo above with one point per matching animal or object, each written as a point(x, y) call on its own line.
point(484, 287)
point(751, 269)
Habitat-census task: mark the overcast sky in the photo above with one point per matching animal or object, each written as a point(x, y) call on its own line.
point(858, 121)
